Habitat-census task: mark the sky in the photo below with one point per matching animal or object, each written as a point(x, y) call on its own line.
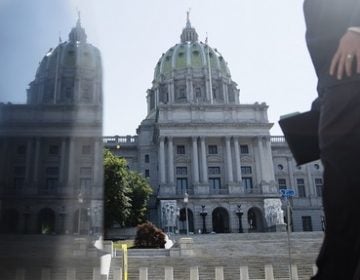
point(262, 41)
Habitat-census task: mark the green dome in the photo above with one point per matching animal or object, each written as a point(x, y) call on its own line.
point(192, 55)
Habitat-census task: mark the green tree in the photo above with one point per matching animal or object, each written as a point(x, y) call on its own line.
point(117, 190)
point(126, 193)
point(139, 195)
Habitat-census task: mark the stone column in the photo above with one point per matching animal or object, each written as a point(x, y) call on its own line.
point(237, 160)
point(311, 186)
point(266, 163)
point(162, 160)
point(70, 172)
point(97, 162)
point(62, 161)
point(3, 160)
point(195, 160)
point(172, 91)
point(204, 173)
point(189, 88)
point(28, 161)
point(225, 92)
point(291, 173)
point(171, 160)
point(157, 97)
point(36, 160)
point(229, 160)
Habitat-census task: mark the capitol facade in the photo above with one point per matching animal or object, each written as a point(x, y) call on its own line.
point(203, 150)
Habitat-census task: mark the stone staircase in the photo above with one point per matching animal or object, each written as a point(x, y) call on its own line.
point(228, 252)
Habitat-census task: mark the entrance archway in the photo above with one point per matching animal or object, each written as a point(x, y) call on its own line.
point(10, 221)
point(220, 220)
point(182, 219)
point(46, 221)
point(255, 220)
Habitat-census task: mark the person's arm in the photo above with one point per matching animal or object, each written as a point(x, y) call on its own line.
point(349, 48)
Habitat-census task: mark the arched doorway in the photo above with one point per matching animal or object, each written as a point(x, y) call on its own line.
point(255, 220)
point(10, 221)
point(46, 221)
point(83, 221)
point(182, 219)
point(220, 220)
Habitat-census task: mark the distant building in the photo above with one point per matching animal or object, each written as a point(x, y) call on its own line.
point(51, 147)
point(197, 138)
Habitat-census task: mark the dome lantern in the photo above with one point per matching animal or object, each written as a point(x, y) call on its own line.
point(77, 34)
point(189, 33)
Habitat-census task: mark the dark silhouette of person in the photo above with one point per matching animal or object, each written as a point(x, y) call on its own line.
point(333, 39)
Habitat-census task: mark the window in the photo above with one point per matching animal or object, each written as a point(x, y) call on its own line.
point(318, 186)
point(306, 223)
point(301, 187)
point(21, 149)
point(53, 150)
point(215, 183)
point(52, 171)
point(147, 158)
point(198, 92)
point(51, 183)
point(52, 174)
point(248, 183)
point(19, 182)
point(181, 185)
point(85, 184)
point(181, 170)
point(280, 167)
point(316, 166)
point(152, 100)
point(214, 170)
point(147, 173)
point(85, 171)
point(180, 149)
point(246, 170)
point(282, 184)
point(19, 171)
point(86, 150)
point(244, 149)
point(19, 177)
point(182, 180)
point(181, 93)
point(212, 149)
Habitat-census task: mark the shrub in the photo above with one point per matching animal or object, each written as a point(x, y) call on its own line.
point(149, 236)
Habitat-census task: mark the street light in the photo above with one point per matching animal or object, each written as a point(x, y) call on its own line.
point(203, 215)
point(80, 200)
point(239, 213)
point(186, 200)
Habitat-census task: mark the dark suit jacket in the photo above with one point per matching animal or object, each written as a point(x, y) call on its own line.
point(326, 22)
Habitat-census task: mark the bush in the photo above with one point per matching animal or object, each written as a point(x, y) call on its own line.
point(149, 236)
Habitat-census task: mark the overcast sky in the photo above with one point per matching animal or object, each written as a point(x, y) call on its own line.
point(262, 41)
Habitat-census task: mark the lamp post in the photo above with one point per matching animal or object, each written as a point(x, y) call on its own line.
point(203, 215)
point(239, 213)
point(186, 200)
point(80, 200)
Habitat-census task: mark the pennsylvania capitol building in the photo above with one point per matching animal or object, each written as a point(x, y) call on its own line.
point(199, 141)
